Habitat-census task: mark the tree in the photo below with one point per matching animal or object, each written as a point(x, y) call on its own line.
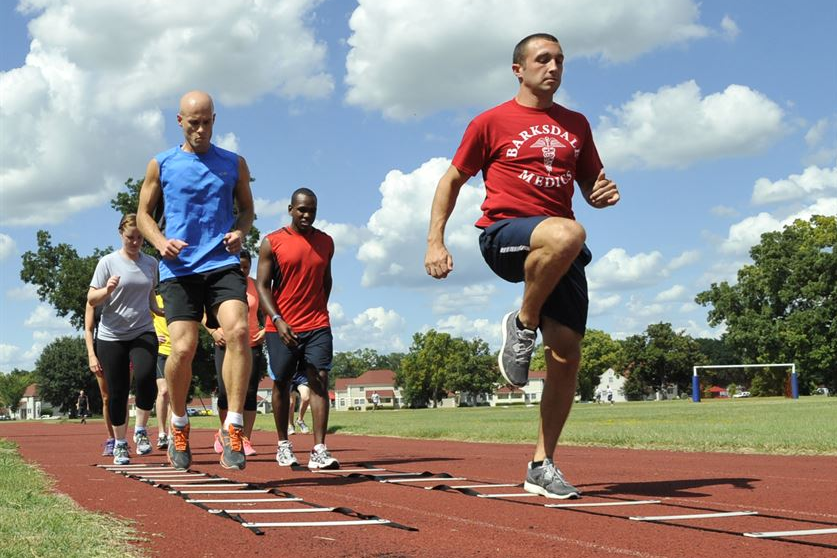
point(784, 306)
point(61, 371)
point(658, 357)
point(599, 351)
point(12, 387)
point(438, 363)
point(62, 277)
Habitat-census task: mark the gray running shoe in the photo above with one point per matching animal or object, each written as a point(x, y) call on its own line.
point(303, 428)
point(232, 439)
point(180, 456)
point(321, 458)
point(285, 454)
point(516, 352)
point(142, 442)
point(120, 454)
point(108, 450)
point(162, 442)
point(547, 480)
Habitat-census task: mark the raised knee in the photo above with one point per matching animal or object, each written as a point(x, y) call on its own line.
point(560, 235)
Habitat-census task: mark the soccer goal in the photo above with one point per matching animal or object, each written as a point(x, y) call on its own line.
point(696, 382)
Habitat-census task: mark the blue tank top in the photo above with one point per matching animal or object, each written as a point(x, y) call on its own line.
point(198, 207)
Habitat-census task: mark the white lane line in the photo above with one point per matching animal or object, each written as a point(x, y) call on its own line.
point(601, 504)
point(244, 500)
point(693, 516)
point(515, 495)
point(229, 485)
point(252, 491)
point(509, 485)
point(337, 471)
point(195, 481)
point(320, 523)
point(425, 479)
point(802, 533)
point(274, 510)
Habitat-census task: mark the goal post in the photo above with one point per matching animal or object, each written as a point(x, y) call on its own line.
point(696, 381)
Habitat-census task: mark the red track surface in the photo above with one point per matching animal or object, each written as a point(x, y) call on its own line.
point(790, 493)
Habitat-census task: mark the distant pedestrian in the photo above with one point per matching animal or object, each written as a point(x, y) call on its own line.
point(609, 395)
point(376, 401)
point(83, 406)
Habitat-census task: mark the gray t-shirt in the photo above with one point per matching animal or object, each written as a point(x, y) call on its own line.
point(126, 313)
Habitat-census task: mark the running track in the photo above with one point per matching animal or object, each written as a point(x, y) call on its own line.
point(789, 493)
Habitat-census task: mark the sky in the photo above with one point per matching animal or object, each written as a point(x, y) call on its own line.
point(718, 121)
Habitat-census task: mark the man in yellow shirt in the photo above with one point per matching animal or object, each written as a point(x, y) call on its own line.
point(163, 352)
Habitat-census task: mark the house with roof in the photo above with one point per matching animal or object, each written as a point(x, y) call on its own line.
point(611, 381)
point(530, 394)
point(356, 393)
point(30, 404)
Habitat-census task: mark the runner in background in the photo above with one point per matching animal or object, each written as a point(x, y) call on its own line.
point(91, 324)
point(294, 283)
point(163, 352)
point(254, 321)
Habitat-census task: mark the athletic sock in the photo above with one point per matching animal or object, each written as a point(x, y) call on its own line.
point(233, 418)
point(179, 422)
point(319, 447)
point(121, 442)
point(138, 429)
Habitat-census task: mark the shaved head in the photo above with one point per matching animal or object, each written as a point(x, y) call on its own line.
point(196, 117)
point(195, 101)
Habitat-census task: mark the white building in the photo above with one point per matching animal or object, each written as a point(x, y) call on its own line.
point(613, 382)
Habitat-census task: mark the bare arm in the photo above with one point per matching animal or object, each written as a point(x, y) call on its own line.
point(327, 281)
point(600, 192)
point(89, 342)
point(150, 194)
point(96, 296)
point(437, 260)
point(234, 239)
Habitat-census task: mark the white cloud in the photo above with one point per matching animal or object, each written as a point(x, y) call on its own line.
point(228, 141)
point(267, 208)
point(470, 297)
point(345, 235)
point(9, 356)
point(729, 28)
point(396, 46)
point(374, 327)
point(336, 314)
point(8, 247)
point(459, 325)
point(393, 254)
point(618, 270)
point(817, 132)
point(686, 258)
point(600, 305)
point(670, 295)
point(639, 309)
point(44, 318)
point(83, 112)
point(676, 127)
point(724, 211)
point(813, 183)
point(27, 291)
point(747, 233)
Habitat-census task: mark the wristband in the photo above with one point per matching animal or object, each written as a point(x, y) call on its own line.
point(275, 317)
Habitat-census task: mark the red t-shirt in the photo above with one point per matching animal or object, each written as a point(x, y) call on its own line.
point(300, 262)
point(529, 160)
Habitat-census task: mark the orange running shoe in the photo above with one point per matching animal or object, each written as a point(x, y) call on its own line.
point(233, 441)
point(180, 456)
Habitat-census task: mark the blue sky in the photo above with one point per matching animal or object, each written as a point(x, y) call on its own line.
point(718, 120)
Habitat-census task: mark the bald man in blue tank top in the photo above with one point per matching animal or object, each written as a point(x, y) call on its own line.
point(199, 185)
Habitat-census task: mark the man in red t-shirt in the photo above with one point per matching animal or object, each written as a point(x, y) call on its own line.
point(294, 283)
point(531, 151)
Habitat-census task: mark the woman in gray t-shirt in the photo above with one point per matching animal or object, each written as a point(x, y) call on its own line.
point(123, 285)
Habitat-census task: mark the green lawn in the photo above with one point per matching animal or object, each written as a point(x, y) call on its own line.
point(756, 425)
point(35, 522)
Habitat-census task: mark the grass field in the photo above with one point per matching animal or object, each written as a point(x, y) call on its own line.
point(37, 522)
point(757, 425)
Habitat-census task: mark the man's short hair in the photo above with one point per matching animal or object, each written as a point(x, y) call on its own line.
point(520, 48)
point(302, 192)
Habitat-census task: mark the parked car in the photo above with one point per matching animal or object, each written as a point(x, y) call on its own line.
point(742, 394)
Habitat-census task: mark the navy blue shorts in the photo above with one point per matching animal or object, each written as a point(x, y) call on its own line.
point(313, 347)
point(505, 245)
point(191, 296)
